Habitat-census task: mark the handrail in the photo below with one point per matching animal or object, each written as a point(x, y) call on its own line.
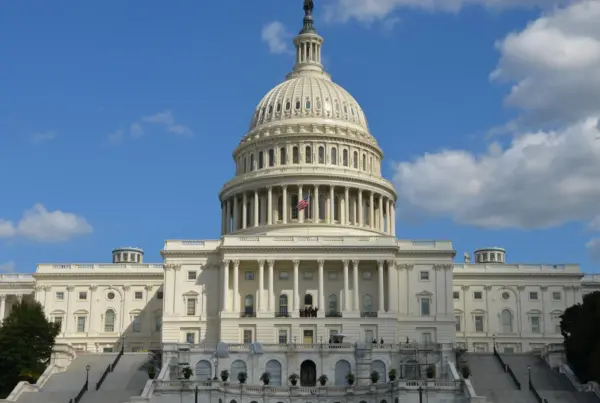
point(106, 371)
point(507, 369)
point(111, 367)
point(77, 398)
point(535, 393)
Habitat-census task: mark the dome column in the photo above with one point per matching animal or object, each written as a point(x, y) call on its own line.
point(331, 204)
point(236, 212)
point(347, 206)
point(380, 213)
point(270, 206)
point(346, 287)
point(244, 210)
point(322, 305)
point(296, 293)
point(371, 210)
point(228, 217)
point(285, 206)
point(393, 219)
point(381, 292)
point(361, 211)
point(300, 197)
point(316, 204)
point(355, 285)
point(256, 208)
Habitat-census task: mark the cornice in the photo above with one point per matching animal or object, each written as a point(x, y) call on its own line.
point(48, 276)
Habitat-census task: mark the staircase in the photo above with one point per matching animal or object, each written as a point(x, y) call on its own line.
point(127, 379)
point(489, 379)
point(552, 386)
point(65, 385)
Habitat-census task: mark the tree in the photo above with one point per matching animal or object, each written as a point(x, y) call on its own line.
point(26, 342)
point(580, 327)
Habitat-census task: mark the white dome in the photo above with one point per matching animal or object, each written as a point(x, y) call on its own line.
point(309, 96)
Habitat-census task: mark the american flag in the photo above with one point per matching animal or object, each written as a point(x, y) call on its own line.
point(302, 204)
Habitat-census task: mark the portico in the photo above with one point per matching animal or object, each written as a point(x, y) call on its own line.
point(13, 288)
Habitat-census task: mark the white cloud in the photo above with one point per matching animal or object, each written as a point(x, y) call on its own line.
point(164, 119)
point(136, 130)
point(42, 137)
point(543, 177)
point(39, 224)
point(379, 10)
point(593, 248)
point(8, 267)
point(275, 35)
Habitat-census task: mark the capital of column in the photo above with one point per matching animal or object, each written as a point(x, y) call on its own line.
point(521, 287)
point(225, 264)
point(70, 288)
point(236, 264)
point(261, 263)
point(148, 287)
point(126, 287)
point(355, 263)
point(406, 266)
point(487, 287)
point(270, 263)
point(2, 297)
point(544, 288)
point(93, 287)
point(380, 264)
point(346, 263)
point(170, 266)
point(465, 288)
point(296, 263)
point(321, 263)
point(391, 263)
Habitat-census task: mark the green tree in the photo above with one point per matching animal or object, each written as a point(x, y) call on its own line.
point(580, 327)
point(26, 342)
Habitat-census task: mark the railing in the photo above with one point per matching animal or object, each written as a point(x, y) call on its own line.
point(77, 398)
point(310, 346)
point(333, 314)
point(247, 314)
point(368, 314)
point(104, 374)
point(535, 393)
point(111, 367)
point(507, 369)
point(282, 314)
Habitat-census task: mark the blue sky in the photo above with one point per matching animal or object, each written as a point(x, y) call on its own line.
point(118, 119)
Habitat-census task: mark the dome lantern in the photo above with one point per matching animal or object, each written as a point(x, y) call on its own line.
point(308, 45)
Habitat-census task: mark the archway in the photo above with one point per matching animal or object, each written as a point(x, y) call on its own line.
point(308, 373)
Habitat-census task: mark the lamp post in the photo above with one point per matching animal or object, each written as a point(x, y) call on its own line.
point(87, 376)
point(494, 342)
point(420, 394)
point(529, 375)
point(196, 395)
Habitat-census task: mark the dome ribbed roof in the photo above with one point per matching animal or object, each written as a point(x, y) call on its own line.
point(307, 96)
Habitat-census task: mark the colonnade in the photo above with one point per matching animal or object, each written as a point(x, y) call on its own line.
point(350, 297)
point(332, 204)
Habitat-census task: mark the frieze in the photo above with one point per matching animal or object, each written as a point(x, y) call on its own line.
point(487, 287)
point(405, 266)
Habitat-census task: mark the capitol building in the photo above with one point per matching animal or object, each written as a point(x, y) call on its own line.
point(324, 290)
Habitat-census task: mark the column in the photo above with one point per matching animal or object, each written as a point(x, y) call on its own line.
point(346, 206)
point(296, 293)
point(360, 209)
point(316, 204)
point(355, 210)
point(244, 210)
point(2, 307)
point(392, 295)
point(322, 305)
point(393, 219)
point(331, 204)
point(261, 285)
point(235, 213)
point(355, 281)
point(380, 289)
point(346, 286)
point(270, 206)
point(380, 213)
point(236, 286)
point(271, 296)
point(225, 269)
point(371, 210)
point(389, 217)
point(228, 217)
point(223, 218)
point(300, 197)
point(285, 206)
point(256, 208)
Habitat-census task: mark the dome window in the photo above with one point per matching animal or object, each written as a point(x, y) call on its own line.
point(345, 157)
point(318, 104)
point(295, 156)
point(355, 160)
point(308, 155)
point(345, 109)
point(321, 155)
point(288, 105)
point(327, 105)
point(270, 109)
point(352, 110)
point(271, 157)
point(337, 106)
point(298, 105)
point(251, 162)
point(307, 104)
point(282, 156)
point(261, 160)
point(279, 107)
point(334, 156)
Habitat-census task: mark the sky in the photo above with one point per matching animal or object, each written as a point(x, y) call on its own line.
point(118, 119)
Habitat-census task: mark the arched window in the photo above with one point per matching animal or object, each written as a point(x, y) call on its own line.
point(321, 155)
point(308, 301)
point(307, 104)
point(203, 370)
point(282, 156)
point(251, 162)
point(364, 162)
point(271, 157)
point(248, 213)
point(410, 369)
point(345, 157)
point(307, 155)
point(332, 303)
point(236, 367)
point(294, 206)
point(322, 203)
point(367, 304)
point(249, 304)
point(295, 155)
point(273, 367)
point(507, 321)
point(334, 156)
point(342, 368)
point(379, 367)
point(355, 160)
point(109, 321)
point(280, 208)
point(283, 305)
point(245, 164)
point(298, 104)
point(336, 208)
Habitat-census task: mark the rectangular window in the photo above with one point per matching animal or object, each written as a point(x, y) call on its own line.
point(332, 275)
point(60, 295)
point(247, 336)
point(158, 323)
point(284, 275)
point(81, 324)
point(477, 295)
point(307, 337)
point(366, 274)
point(58, 320)
point(425, 307)
point(556, 321)
point(369, 336)
point(308, 275)
point(535, 324)
point(457, 320)
point(82, 295)
point(159, 295)
point(190, 337)
point(191, 307)
point(424, 275)
point(556, 296)
point(283, 338)
point(479, 323)
point(456, 295)
point(192, 275)
point(249, 275)
point(138, 295)
point(426, 338)
point(137, 324)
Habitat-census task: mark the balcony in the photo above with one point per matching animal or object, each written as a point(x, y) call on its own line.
point(247, 314)
point(333, 314)
point(282, 314)
point(368, 314)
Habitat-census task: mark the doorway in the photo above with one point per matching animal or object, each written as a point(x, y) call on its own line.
point(308, 373)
